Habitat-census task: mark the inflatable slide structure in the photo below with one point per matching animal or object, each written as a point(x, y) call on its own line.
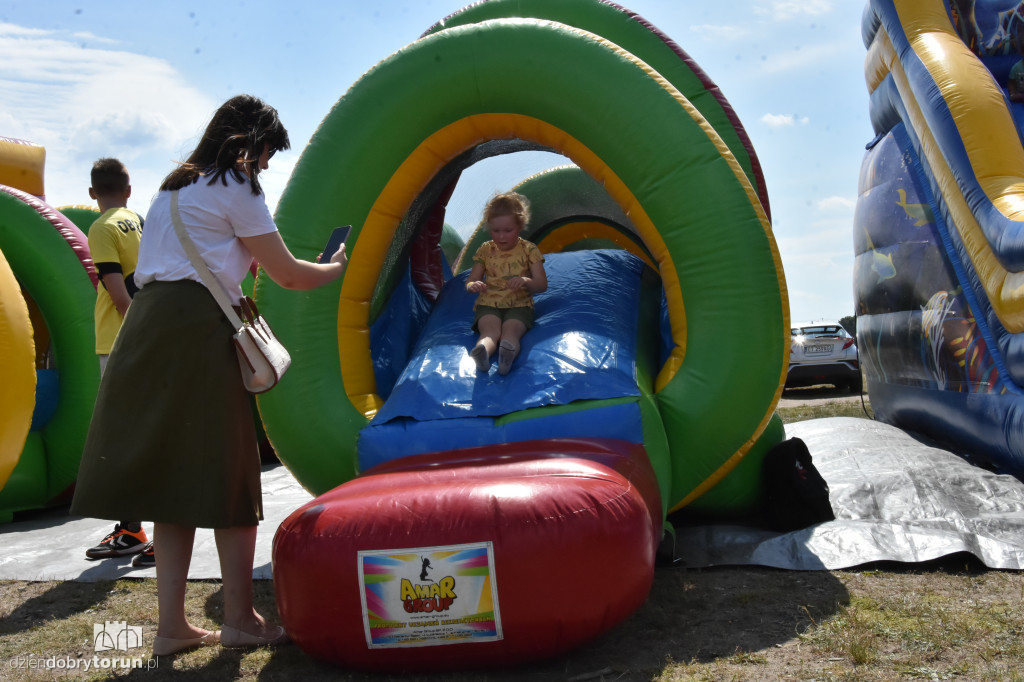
point(939, 226)
point(47, 339)
point(469, 519)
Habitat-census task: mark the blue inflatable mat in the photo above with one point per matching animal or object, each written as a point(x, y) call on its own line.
point(582, 346)
point(618, 419)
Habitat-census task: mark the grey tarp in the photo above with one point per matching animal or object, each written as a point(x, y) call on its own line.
point(50, 544)
point(895, 499)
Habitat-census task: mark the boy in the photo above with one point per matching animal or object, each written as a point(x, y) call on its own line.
point(114, 245)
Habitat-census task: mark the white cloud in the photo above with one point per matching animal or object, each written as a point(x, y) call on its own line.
point(721, 33)
point(784, 120)
point(15, 30)
point(86, 35)
point(782, 10)
point(82, 103)
point(836, 204)
point(807, 56)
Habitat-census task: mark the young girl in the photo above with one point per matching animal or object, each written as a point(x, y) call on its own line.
point(506, 272)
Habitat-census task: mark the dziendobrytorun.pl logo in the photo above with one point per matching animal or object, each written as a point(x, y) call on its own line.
point(111, 636)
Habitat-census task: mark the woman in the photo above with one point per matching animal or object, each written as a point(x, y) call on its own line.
point(172, 414)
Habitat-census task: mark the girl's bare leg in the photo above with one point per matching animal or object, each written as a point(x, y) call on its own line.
point(511, 335)
point(490, 333)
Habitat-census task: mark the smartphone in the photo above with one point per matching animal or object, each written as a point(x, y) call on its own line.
point(338, 237)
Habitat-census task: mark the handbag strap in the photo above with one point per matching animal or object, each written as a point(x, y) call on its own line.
point(207, 277)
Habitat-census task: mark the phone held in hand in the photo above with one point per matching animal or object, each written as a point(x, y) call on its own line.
point(338, 237)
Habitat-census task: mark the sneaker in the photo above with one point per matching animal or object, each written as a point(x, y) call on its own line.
point(118, 543)
point(145, 558)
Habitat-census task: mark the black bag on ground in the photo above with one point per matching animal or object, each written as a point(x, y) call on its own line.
point(797, 495)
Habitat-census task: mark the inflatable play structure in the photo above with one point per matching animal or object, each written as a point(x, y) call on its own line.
point(468, 519)
point(939, 228)
point(47, 343)
point(81, 215)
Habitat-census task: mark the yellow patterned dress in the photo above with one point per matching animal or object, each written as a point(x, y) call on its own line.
point(499, 267)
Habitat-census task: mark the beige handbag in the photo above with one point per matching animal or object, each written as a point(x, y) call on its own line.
point(262, 359)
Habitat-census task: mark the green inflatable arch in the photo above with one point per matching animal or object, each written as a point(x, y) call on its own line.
point(82, 216)
point(634, 34)
point(46, 253)
point(670, 172)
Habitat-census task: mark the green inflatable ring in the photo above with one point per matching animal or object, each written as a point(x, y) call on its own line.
point(82, 216)
point(35, 240)
point(634, 34)
point(369, 156)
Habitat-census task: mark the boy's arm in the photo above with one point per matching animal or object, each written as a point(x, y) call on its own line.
point(113, 282)
point(107, 261)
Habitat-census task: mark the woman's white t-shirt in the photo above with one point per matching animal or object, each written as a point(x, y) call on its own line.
point(214, 217)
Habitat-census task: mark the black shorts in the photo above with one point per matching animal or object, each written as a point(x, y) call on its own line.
point(522, 313)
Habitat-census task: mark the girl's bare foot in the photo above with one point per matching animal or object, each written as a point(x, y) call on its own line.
point(506, 356)
point(479, 355)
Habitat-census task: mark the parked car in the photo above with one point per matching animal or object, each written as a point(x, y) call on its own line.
point(823, 353)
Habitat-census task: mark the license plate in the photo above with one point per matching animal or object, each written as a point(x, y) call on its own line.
point(826, 348)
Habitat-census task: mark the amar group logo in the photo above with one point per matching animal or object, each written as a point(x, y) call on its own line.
point(405, 605)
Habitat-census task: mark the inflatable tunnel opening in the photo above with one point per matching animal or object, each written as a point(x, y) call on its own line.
point(570, 212)
point(421, 225)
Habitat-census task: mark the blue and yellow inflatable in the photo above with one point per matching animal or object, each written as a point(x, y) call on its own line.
point(939, 237)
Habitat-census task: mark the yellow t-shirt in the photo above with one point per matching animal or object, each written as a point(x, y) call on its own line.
point(499, 267)
point(113, 239)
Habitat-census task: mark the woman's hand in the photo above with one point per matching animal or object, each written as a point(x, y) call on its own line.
point(340, 256)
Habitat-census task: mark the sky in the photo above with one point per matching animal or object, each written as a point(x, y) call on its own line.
point(139, 80)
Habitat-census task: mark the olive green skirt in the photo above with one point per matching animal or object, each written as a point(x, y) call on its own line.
point(172, 437)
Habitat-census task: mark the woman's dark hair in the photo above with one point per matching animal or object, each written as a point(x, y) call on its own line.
point(236, 133)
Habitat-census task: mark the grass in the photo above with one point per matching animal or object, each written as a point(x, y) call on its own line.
point(790, 415)
point(950, 619)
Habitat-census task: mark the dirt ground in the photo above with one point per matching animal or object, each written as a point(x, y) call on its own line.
point(811, 395)
point(947, 620)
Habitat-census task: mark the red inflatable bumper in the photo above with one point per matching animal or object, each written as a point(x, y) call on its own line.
point(479, 557)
